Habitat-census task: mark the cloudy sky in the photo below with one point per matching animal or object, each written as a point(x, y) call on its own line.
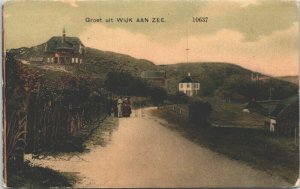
point(258, 35)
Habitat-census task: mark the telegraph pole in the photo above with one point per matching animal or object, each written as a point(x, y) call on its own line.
point(187, 47)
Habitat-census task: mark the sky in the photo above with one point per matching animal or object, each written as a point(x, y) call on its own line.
point(259, 35)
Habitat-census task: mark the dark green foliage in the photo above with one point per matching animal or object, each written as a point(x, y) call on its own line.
point(54, 108)
point(157, 95)
point(100, 63)
point(208, 86)
point(178, 98)
point(288, 120)
point(243, 86)
point(199, 111)
point(37, 177)
point(122, 83)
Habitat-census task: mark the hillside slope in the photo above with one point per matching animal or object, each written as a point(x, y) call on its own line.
point(291, 79)
point(98, 64)
point(211, 75)
point(102, 62)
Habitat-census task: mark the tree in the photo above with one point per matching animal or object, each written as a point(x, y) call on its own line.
point(199, 111)
point(158, 95)
point(178, 98)
point(123, 83)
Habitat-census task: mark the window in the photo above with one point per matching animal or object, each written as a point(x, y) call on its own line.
point(181, 85)
point(188, 85)
point(48, 59)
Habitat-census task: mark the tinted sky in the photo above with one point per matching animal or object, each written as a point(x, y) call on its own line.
point(259, 35)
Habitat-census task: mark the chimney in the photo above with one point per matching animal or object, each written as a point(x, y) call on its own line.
point(63, 39)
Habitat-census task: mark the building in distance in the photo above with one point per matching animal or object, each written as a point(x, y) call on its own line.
point(155, 78)
point(189, 86)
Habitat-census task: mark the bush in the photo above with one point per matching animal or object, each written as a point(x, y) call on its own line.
point(158, 95)
point(259, 90)
point(288, 120)
point(123, 83)
point(199, 111)
point(178, 98)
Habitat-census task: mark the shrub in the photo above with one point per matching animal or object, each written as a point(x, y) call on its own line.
point(199, 111)
point(288, 120)
point(178, 98)
point(123, 83)
point(158, 95)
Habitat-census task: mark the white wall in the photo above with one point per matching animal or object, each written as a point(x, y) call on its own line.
point(189, 89)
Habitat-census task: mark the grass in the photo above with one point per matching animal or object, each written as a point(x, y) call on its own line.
point(276, 155)
point(30, 176)
point(291, 79)
point(231, 114)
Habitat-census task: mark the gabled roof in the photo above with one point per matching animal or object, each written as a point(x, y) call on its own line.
point(187, 79)
point(55, 43)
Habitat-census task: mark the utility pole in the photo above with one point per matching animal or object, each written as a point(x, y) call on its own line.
point(187, 55)
point(187, 46)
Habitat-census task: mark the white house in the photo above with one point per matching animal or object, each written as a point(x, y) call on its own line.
point(188, 86)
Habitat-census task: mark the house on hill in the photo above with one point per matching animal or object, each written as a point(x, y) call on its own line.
point(188, 86)
point(155, 78)
point(64, 50)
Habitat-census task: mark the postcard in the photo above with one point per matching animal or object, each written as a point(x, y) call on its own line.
point(159, 94)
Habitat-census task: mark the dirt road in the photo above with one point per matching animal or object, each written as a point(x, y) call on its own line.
point(143, 153)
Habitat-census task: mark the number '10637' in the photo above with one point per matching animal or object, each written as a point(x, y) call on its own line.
point(200, 19)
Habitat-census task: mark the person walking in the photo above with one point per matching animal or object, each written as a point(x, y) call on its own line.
point(120, 103)
point(126, 107)
point(129, 105)
point(115, 107)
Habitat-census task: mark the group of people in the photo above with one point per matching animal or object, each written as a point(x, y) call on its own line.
point(122, 107)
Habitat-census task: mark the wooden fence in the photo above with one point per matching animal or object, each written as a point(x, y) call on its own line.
point(176, 109)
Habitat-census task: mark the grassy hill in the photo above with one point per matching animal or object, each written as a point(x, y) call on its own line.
point(211, 75)
point(97, 63)
point(291, 79)
point(100, 63)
